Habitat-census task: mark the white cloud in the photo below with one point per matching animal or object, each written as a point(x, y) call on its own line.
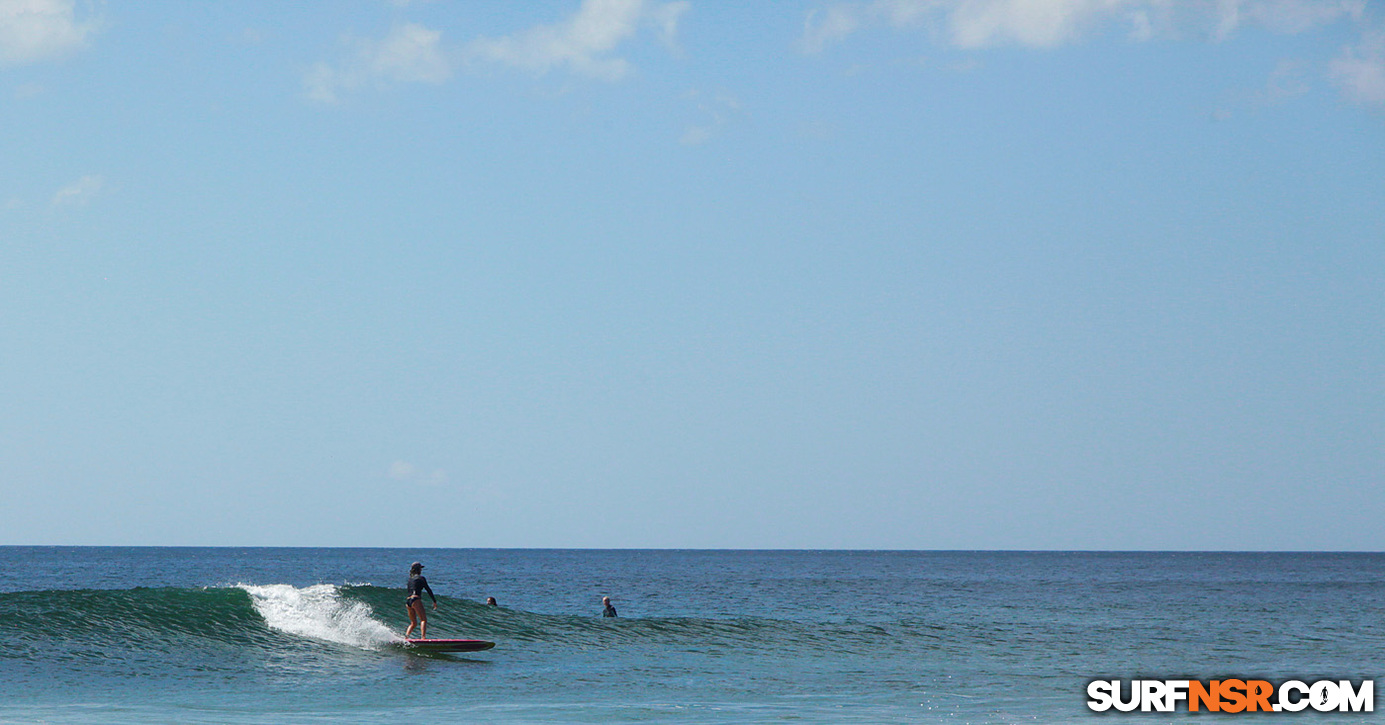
point(1050, 23)
point(410, 53)
point(825, 27)
point(35, 30)
point(584, 43)
point(78, 192)
point(979, 23)
point(1360, 70)
point(1028, 22)
point(970, 24)
point(665, 17)
point(401, 470)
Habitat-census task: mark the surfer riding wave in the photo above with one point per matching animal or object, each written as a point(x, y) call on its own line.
point(418, 616)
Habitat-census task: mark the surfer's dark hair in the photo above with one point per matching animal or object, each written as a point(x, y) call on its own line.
point(416, 568)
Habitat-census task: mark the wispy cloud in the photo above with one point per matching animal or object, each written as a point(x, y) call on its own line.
point(826, 26)
point(78, 192)
point(584, 43)
point(1287, 16)
point(410, 53)
point(1288, 81)
point(1049, 23)
point(37, 30)
point(716, 110)
point(973, 24)
point(1360, 70)
point(407, 472)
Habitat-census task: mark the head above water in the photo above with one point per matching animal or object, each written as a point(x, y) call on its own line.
point(416, 568)
point(605, 600)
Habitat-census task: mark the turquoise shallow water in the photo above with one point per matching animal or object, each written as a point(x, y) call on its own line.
point(307, 635)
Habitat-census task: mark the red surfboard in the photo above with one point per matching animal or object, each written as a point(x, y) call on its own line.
point(448, 645)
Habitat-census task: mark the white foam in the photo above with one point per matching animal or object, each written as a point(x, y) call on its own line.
point(320, 612)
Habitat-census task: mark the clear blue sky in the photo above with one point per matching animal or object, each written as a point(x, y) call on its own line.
point(897, 274)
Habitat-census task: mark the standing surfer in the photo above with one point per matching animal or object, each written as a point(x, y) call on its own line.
point(414, 602)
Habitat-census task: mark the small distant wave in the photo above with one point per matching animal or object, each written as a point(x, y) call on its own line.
point(319, 612)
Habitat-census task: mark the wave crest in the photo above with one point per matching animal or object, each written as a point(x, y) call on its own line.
point(319, 612)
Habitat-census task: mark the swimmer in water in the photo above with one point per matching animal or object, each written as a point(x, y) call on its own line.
point(414, 602)
point(608, 609)
point(490, 602)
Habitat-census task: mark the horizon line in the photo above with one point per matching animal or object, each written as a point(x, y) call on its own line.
point(701, 549)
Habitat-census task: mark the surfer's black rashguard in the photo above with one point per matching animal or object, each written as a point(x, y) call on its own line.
point(418, 584)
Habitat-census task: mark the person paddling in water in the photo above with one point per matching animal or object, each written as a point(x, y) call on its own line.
point(418, 617)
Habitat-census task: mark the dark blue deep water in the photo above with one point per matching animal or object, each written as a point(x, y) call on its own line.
point(219, 635)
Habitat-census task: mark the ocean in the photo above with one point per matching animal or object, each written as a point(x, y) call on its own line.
point(300, 635)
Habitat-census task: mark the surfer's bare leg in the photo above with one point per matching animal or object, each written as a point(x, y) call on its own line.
point(417, 618)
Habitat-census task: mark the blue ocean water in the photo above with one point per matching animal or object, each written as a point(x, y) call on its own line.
point(267, 635)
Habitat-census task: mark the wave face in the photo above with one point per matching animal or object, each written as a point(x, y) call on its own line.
point(132, 617)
